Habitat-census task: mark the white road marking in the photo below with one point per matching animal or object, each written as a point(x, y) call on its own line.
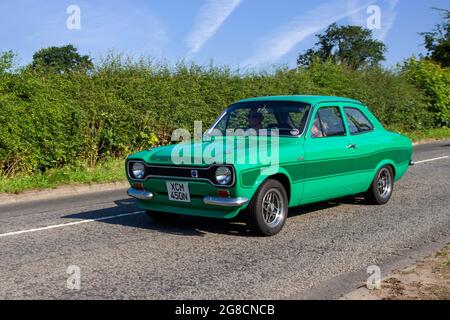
point(69, 224)
point(429, 160)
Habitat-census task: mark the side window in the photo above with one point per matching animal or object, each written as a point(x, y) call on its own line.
point(238, 119)
point(357, 121)
point(328, 123)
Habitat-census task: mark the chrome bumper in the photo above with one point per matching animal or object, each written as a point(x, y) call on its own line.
point(140, 194)
point(215, 201)
point(225, 202)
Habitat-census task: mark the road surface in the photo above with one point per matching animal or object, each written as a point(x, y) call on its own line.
point(323, 252)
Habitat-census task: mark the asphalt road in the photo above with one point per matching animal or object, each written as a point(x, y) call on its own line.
point(323, 251)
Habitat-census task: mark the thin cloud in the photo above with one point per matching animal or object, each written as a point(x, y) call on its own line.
point(283, 40)
point(210, 18)
point(388, 19)
point(103, 27)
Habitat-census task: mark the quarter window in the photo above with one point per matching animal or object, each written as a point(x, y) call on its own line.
point(328, 123)
point(357, 121)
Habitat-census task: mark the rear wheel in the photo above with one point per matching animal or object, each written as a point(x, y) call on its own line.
point(382, 186)
point(161, 216)
point(268, 209)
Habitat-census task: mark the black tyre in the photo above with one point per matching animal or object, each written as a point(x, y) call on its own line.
point(268, 209)
point(382, 186)
point(161, 216)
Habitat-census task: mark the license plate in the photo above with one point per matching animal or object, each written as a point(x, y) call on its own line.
point(178, 191)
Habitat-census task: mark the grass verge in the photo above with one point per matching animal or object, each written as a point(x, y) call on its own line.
point(113, 170)
point(427, 135)
point(109, 171)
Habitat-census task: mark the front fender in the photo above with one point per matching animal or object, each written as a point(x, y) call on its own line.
point(257, 176)
point(266, 174)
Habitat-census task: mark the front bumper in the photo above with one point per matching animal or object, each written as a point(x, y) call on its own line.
point(140, 194)
point(225, 202)
point(208, 200)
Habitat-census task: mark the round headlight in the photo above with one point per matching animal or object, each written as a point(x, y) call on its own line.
point(138, 170)
point(223, 175)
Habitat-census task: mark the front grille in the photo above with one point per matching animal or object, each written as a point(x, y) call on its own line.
point(185, 173)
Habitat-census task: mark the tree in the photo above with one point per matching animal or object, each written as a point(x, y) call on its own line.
point(437, 42)
point(61, 60)
point(353, 46)
point(6, 61)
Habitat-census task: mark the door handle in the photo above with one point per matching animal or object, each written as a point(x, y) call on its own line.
point(351, 146)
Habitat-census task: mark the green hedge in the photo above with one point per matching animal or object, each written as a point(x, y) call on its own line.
point(434, 81)
point(54, 120)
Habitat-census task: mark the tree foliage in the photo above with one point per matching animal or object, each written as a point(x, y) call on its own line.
point(437, 42)
point(61, 60)
point(6, 61)
point(434, 81)
point(353, 46)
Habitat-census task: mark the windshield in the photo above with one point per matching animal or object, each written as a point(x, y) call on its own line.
point(288, 117)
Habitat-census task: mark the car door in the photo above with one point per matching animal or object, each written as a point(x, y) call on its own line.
point(330, 161)
point(368, 145)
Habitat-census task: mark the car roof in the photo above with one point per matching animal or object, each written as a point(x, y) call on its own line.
point(303, 98)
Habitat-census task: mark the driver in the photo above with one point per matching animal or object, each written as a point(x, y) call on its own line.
point(316, 130)
point(255, 120)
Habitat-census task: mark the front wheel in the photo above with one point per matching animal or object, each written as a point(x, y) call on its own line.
point(268, 209)
point(382, 186)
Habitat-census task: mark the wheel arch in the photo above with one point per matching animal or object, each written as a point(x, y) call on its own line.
point(285, 181)
point(386, 162)
point(281, 176)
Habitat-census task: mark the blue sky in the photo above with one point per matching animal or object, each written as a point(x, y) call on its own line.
point(245, 33)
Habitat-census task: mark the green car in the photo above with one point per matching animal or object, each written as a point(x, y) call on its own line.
point(265, 155)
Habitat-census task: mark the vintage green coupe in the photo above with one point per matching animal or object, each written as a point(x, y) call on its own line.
point(319, 148)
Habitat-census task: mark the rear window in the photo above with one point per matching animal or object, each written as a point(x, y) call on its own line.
point(357, 121)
